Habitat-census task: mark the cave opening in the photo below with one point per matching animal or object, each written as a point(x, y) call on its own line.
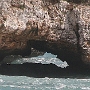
point(36, 57)
point(43, 61)
point(42, 65)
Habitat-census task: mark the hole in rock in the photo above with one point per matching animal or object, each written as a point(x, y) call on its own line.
point(46, 58)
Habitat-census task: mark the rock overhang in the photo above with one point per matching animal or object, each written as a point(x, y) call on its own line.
point(25, 21)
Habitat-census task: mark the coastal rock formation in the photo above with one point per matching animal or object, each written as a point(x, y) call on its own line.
point(55, 26)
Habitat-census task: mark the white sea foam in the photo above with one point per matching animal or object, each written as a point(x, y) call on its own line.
point(1, 80)
point(29, 83)
point(47, 58)
point(85, 88)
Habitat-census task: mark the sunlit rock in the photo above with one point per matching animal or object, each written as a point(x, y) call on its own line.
point(55, 26)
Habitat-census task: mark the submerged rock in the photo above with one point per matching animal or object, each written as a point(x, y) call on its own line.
point(54, 26)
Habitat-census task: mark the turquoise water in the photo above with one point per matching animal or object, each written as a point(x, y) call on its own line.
point(30, 83)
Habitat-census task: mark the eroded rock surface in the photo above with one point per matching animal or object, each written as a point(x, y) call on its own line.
point(54, 26)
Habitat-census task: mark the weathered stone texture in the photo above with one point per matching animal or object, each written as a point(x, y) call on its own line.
point(57, 21)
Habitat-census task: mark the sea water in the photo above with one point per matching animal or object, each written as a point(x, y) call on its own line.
point(31, 83)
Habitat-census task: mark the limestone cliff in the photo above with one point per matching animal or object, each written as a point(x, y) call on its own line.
point(54, 26)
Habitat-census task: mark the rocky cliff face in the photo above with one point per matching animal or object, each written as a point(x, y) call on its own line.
point(47, 25)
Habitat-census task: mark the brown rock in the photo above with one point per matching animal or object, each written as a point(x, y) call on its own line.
point(63, 32)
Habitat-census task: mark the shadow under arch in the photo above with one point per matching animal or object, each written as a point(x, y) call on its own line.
point(64, 51)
